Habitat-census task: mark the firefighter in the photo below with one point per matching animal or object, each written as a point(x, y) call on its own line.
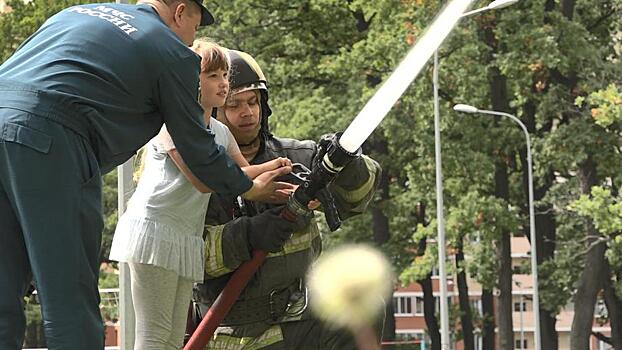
point(78, 98)
point(272, 310)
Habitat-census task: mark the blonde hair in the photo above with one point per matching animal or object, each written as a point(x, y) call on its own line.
point(139, 163)
point(213, 56)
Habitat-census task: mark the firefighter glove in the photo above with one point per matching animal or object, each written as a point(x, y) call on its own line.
point(268, 231)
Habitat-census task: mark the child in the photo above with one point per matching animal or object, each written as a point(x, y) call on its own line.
point(160, 234)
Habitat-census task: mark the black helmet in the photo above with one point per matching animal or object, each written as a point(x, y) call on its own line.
point(247, 75)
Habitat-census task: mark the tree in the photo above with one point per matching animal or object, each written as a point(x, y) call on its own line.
point(555, 64)
point(329, 58)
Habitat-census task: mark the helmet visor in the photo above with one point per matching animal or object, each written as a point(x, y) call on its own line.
point(260, 85)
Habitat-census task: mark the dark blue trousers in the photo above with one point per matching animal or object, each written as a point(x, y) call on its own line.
point(50, 230)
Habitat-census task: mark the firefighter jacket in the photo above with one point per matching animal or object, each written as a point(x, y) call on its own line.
point(279, 280)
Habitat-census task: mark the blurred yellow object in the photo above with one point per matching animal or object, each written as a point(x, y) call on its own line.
point(349, 285)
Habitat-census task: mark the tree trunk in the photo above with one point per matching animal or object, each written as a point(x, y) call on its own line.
point(429, 308)
point(499, 102)
point(498, 94)
point(429, 312)
point(466, 319)
point(504, 254)
point(567, 8)
point(545, 247)
point(547, 329)
point(488, 316)
point(590, 281)
point(546, 226)
point(589, 284)
point(614, 309)
point(380, 224)
point(388, 327)
point(504, 304)
point(380, 221)
point(377, 148)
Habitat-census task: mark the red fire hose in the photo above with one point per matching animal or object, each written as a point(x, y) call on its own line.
point(229, 295)
point(225, 301)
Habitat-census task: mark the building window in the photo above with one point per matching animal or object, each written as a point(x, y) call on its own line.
point(418, 306)
point(476, 306)
point(479, 341)
point(520, 306)
point(437, 303)
point(403, 306)
point(414, 340)
point(408, 305)
point(435, 272)
point(600, 309)
point(520, 345)
point(601, 345)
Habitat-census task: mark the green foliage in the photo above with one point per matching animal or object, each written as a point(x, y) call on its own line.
point(421, 265)
point(108, 278)
point(482, 219)
point(25, 18)
point(110, 204)
point(332, 56)
point(324, 58)
point(606, 105)
point(605, 211)
point(109, 305)
point(603, 208)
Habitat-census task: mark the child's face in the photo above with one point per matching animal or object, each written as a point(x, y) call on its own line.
point(214, 88)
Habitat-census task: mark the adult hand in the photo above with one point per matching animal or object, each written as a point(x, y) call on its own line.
point(313, 204)
point(268, 231)
point(265, 189)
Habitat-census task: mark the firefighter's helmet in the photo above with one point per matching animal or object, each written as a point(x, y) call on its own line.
point(247, 75)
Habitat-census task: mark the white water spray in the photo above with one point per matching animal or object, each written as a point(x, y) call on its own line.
point(383, 100)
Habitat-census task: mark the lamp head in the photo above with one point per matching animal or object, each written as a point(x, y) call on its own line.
point(498, 4)
point(465, 108)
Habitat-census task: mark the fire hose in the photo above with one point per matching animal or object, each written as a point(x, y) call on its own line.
point(338, 153)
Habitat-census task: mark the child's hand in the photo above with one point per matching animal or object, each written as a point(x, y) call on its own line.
point(253, 171)
point(277, 163)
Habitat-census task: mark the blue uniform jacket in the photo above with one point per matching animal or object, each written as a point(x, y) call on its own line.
point(114, 73)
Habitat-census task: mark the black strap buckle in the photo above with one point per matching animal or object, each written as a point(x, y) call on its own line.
point(272, 305)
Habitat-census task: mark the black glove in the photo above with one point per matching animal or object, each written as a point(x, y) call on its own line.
point(268, 231)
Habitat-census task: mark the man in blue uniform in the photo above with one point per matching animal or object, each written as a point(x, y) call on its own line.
point(78, 98)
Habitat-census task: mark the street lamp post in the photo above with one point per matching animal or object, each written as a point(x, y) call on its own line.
point(440, 216)
point(532, 221)
point(126, 308)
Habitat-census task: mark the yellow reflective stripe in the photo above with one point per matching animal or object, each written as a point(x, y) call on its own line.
point(360, 193)
point(300, 240)
point(226, 342)
point(214, 260)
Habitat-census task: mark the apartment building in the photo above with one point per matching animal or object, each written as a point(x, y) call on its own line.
point(410, 322)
